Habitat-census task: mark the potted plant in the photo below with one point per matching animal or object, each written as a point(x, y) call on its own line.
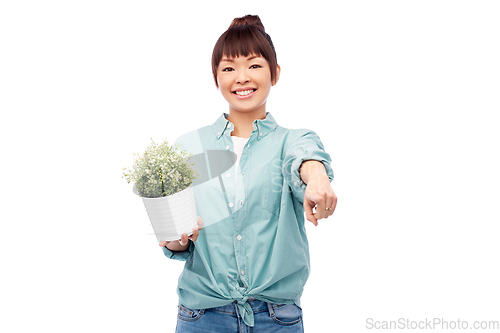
point(162, 176)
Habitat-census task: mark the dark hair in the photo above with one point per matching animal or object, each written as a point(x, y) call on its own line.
point(245, 36)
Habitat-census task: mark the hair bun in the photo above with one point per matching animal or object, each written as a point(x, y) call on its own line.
point(248, 20)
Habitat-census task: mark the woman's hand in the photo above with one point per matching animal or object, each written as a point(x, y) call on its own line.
point(183, 243)
point(319, 192)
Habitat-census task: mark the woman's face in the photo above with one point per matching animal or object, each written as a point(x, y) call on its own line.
point(245, 83)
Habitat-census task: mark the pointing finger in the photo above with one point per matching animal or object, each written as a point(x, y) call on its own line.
point(309, 212)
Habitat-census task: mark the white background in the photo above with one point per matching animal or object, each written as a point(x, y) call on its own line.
point(404, 95)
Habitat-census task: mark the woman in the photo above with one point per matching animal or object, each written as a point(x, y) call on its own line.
point(248, 266)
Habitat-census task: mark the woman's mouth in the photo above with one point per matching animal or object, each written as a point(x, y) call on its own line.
point(242, 94)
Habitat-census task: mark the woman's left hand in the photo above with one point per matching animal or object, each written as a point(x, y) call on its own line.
point(319, 194)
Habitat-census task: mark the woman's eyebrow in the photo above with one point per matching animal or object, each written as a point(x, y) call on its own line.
point(248, 59)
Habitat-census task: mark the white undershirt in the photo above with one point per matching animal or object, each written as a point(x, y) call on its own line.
point(238, 145)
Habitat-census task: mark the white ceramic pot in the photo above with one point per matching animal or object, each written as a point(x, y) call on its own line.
point(173, 215)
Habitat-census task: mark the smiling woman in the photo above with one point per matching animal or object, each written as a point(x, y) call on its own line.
point(245, 83)
point(246, 36)
point(248, 266)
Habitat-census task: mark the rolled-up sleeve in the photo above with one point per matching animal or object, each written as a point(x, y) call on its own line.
point(181, 256)
point(303, 145)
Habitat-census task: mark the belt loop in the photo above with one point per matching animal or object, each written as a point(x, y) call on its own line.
point(270, 309)
point(235, 303)
point(238, 315)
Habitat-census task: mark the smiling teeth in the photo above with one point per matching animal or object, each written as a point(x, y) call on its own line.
point(244, 93)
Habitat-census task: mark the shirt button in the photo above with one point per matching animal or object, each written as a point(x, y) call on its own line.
point(260, 134)
point(231, 204)
point(228, 125)
point(242, 173)
point(227, 147)
point(242, 272)
point(228, 175)
point(218, 134)
point(239, 237)
point(248, 145)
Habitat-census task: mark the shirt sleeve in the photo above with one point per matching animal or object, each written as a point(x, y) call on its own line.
point(304, 145)
point(181, 256)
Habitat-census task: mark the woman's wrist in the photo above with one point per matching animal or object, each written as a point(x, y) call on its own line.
point(175, 246)
point(312, 169)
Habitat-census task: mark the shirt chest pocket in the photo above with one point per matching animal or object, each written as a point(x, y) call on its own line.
point(272, 187)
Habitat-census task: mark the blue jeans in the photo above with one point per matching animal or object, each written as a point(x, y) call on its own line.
point(268, 317)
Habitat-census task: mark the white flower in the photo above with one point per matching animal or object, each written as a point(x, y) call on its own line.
point(160, 171)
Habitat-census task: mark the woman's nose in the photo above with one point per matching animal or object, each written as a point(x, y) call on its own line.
point(242, 77)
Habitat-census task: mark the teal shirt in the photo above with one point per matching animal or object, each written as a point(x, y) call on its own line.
point(253, 242)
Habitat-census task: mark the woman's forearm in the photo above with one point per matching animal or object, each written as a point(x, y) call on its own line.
point(312, 169)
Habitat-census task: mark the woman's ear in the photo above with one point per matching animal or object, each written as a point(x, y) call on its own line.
point(278, 71)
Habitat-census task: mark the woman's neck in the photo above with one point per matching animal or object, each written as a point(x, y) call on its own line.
point(243, 122)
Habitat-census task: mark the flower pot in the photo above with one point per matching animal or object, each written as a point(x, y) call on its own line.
point(173, 215)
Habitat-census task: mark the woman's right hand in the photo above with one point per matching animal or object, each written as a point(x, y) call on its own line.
point(183, 243)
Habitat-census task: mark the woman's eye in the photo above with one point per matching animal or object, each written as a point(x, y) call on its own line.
point(255, 66)
point(227, 69)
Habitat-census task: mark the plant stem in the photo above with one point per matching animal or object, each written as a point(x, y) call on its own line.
point(162, 185)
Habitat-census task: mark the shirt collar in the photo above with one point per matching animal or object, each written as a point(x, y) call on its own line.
point(262, 126)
